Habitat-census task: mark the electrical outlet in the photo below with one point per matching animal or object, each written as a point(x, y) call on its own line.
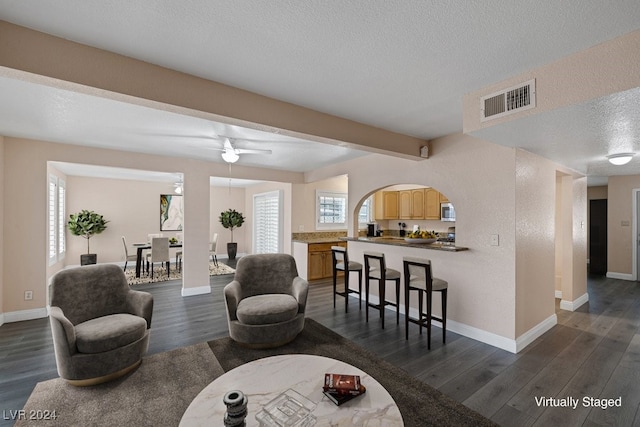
point(28, 295)
point(495, 240)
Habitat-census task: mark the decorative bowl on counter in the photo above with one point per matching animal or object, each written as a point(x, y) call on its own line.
point(418, 240)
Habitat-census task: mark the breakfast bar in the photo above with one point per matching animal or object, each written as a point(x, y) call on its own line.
point(446, 259)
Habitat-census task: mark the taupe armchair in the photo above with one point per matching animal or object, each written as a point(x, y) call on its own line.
point(100, 326)
point(266, 301)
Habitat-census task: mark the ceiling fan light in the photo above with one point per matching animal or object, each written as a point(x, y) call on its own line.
point(230, 156)
point(620, 159)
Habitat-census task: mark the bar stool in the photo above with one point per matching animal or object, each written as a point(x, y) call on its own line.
point(341, 263)
point(418, 276)
point(376, 269)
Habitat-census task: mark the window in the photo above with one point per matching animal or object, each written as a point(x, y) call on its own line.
point(62, 244)
point(331, 210)
point(365, 215)
point(267, 225)
point(56, 213)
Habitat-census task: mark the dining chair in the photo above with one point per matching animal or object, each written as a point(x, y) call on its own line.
point(127, 257)
point(179, 252)
point(159, 253)
point(212, 251)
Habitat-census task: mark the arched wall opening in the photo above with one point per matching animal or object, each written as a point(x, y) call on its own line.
point(396, 210)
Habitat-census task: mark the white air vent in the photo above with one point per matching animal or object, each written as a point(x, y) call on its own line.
point(508, 101)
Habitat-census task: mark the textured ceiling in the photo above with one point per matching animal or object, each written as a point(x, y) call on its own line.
point(395, 64)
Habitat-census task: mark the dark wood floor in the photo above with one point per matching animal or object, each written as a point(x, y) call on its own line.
point(594, 352)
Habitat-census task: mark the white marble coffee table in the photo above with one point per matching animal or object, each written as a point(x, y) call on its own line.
point(264, 379)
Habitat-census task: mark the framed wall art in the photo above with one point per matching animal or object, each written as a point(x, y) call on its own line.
point(171, 212)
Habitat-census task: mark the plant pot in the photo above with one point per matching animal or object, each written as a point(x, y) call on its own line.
point(232, 250)
point(88, 259)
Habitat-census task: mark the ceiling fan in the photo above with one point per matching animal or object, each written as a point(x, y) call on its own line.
point(231, 154)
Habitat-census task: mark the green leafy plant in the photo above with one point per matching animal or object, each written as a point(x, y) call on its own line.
point(231, 219)
point(86, 224)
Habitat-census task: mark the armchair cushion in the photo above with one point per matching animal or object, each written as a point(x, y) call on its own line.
point(267, 309)
point(109, 332)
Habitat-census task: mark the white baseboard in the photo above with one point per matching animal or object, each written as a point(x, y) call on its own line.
point(200, 290)
point(508, 344)
point(621, 276)
point(19, 316)
point(559, 294)
point(575, 304)
point(532, 334)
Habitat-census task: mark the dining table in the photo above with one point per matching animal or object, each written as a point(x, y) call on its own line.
point(141, 247)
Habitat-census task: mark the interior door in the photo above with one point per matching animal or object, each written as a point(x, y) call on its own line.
point(598, 236)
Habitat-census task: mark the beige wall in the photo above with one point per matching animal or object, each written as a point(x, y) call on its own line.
point(620, 228)
point(535, 240)
point(304, 217)
point(596, 193)
point(131, 207)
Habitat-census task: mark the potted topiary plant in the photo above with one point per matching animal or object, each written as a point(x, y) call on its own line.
point(87, 224)
point(231, 219)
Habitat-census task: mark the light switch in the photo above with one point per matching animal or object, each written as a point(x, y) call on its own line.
point(495, 240)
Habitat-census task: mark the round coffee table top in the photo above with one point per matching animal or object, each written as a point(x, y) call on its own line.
point(265, 379)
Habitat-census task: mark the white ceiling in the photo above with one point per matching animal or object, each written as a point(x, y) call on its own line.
point(395, 64)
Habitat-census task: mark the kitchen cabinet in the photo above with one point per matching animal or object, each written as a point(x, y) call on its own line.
point(431, 204)
point(386, 205)
point(412, 204)
point(320, 262)
point(443, 198)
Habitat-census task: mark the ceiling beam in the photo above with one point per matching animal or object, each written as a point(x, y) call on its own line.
point(93, 71)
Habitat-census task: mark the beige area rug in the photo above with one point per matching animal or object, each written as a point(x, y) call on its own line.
point(160, 274)
point(156, 394)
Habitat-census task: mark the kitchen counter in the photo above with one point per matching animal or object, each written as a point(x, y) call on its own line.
point(320, 240)
point(399, 241)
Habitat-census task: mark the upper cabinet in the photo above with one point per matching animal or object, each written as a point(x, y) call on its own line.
point(386, 205)
point(412, 205)
point(417, 203)
point(431, 204)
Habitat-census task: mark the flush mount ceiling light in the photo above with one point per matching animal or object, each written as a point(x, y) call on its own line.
point(620, 159)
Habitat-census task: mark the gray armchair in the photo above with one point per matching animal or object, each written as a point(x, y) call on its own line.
point(266, 301)
point(100, 326)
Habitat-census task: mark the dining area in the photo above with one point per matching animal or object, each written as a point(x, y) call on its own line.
point(162, 251)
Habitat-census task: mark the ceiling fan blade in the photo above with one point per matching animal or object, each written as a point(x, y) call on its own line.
point(249, 151)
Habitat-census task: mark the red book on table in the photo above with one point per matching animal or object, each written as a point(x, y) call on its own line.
point(343, 384)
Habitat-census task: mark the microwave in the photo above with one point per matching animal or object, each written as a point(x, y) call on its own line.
point(447, 212)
